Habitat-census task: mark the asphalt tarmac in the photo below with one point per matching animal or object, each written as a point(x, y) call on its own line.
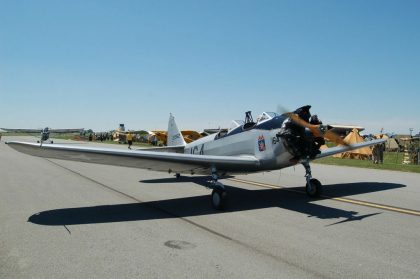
point(62, 219)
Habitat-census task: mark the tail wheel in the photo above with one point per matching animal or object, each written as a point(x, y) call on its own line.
point(313, 188)
point(218, 198)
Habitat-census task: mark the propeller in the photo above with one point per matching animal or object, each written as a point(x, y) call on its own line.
point(321, 131)
point(317, 130)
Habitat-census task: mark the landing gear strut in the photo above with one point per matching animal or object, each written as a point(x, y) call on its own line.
point(313, 186)
point(218, 195)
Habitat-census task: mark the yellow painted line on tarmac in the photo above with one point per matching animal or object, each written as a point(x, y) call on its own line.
point(377, 205)
point(346, 200)
point(265, 185)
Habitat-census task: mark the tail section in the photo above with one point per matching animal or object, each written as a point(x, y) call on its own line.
point(174, 136)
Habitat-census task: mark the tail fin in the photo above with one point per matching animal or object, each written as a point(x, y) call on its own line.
point(174, 136)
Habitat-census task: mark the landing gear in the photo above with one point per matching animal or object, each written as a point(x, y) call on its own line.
point(178, 175)
point(218, 198)
point(313, 186)
point(218, 195)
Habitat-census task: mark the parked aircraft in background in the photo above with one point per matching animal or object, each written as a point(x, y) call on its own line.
point(344, 130)
point(188, 135)
point(120, 134)
point(45, 133)
point(274, 141)
point(31, 131)
point(154, 137)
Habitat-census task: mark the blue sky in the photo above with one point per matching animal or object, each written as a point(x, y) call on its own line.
point(95, 64)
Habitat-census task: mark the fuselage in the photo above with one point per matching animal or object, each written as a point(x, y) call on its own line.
point(260, 140)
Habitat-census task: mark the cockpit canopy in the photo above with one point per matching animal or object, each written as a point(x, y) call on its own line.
point(235, 123)
point(266, 116)
point(263, 122)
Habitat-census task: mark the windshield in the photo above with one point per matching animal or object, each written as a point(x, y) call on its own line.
point(235, 123)
point(266, 116)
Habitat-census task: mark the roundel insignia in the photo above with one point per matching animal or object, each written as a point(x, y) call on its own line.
point(261, 143)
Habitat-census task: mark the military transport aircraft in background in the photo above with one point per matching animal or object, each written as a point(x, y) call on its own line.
point(274, 141)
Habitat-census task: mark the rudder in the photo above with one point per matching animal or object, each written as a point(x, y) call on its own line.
point(174, 136)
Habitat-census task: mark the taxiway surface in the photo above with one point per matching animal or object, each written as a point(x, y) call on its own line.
point(61, 219)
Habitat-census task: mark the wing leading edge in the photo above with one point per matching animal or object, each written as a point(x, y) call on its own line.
point(151, 160)
point(340, 149)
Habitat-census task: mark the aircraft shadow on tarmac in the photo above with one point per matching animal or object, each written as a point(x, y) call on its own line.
point(239, 200)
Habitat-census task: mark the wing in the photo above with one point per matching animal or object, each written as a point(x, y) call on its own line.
point(58, 131)
point(151, 160)
point(70, 131)
point(340, 149)
point(22, 130)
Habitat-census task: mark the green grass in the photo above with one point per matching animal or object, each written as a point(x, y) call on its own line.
point(392, 161)
point(10, 134)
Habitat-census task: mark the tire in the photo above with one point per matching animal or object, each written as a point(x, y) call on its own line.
point(218, 198)
point(315, 189)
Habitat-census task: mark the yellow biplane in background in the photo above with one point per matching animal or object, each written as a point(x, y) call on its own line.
point(157, 137)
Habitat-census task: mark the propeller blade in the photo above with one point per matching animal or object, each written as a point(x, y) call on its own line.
point(333, 137)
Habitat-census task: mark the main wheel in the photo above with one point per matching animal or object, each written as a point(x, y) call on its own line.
point(218, 198)
point(313, 188)
point(177, 175)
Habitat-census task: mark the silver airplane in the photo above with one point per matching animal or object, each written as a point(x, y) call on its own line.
point(274, 141)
